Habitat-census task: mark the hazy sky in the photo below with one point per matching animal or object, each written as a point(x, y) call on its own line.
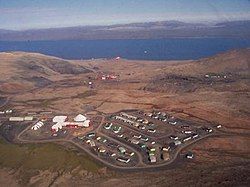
point(25, 14)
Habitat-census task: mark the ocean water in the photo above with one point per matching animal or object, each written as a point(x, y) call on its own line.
point(148, 49)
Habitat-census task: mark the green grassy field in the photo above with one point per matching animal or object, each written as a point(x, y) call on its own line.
point(42, 157)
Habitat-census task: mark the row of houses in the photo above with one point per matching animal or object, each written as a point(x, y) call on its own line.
point(135, 124)
point(128, 116)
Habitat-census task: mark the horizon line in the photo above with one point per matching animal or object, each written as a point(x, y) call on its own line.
point(114, 24)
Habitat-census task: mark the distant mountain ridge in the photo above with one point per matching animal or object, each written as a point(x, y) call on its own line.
point(147, 30)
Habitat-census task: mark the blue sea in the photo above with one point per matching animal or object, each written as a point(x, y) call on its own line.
point(143, 49)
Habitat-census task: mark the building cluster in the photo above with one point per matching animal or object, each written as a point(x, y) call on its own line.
point(108, 148)
point(108, 77)
point(8, 111)
point(140, 123)
point(37, 126)
point(13, 118)
point(61, 121)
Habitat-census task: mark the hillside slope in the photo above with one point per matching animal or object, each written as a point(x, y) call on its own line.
point(220, 72)
point(22, 71)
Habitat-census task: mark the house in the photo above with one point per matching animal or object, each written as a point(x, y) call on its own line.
point(189, 155)
point(91, 135)
point(145, 139)
point(152, 158)
point(143, 146)
point(195, 135)
point(130, 154)
point(137, 136)
point(149, 114)
point(101, 149)
point(116, 129)
point(218, 126)
point(187, 138)
point(173, 137)
point(165, 155)
point(177, 142)
point(124, 160)
point(166, 148)
point(108, 126)
point(151, 130)
point(187, 132)
point(101, 139)
point(172, 122)
point(133, 141)
point(207, 129)
point(8, 111)
point(91, 143)
point(122, 149)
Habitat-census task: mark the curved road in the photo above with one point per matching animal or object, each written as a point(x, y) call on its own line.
point(140, 165)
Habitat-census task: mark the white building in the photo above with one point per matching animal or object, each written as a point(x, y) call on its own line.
point(79, 121)
point(28, 118)
point(57, 119)
point(80, 117)
point(37, 126)
point(16, 119)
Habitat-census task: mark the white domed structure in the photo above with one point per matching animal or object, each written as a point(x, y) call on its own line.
point(80, 118)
